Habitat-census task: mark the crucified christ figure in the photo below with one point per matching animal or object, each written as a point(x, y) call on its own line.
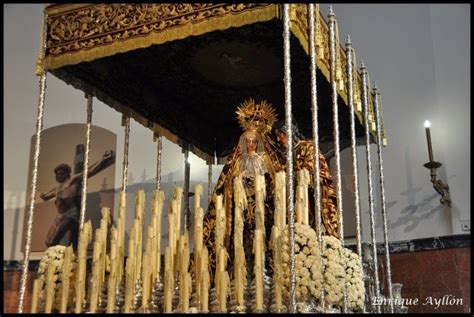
point(68, 200)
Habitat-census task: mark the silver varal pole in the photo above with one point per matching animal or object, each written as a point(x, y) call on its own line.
point(314, 112)
point(209, 181)
point(34, 178)
point(85, 173)
point(382, 191)
point(289, 153)
point(365, 106)
point(158, 161)
point(126, 124)
point(187, 168)
point(350, 91)
point(332, 46)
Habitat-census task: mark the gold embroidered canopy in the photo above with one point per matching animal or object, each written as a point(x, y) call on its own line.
point(182, 69)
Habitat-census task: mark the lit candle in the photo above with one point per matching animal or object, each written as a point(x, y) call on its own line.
point(428, 139)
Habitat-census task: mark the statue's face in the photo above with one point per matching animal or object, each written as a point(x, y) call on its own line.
point(251, 143)
point(281, 137)
point(61, 176)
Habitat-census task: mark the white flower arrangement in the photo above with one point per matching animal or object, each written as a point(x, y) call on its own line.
point(307, 263)
point(55, 255)
point(354, 281)
point(339, 264)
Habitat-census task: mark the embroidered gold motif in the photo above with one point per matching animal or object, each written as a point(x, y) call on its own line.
point(101, 24)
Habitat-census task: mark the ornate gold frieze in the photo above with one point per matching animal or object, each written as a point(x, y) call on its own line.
point(95, 31)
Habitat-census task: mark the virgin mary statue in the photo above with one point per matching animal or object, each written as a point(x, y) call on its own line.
point(255, 154)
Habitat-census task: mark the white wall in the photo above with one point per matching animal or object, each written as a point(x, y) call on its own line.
point(418, 54)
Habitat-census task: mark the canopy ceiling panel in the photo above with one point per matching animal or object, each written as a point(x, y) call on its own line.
point(182, 69)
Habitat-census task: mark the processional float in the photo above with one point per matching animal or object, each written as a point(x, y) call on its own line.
point(165, 64)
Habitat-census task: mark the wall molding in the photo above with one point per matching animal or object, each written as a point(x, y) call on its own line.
point(424, 244)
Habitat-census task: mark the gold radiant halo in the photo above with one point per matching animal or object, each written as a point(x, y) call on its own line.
point(256, 116)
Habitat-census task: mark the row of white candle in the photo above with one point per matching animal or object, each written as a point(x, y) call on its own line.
point(147, 265)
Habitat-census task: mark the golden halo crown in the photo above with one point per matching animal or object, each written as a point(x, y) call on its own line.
point(256, 116)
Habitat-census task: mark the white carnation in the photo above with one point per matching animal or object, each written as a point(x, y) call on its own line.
point(341, 270)
point(55, 256)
